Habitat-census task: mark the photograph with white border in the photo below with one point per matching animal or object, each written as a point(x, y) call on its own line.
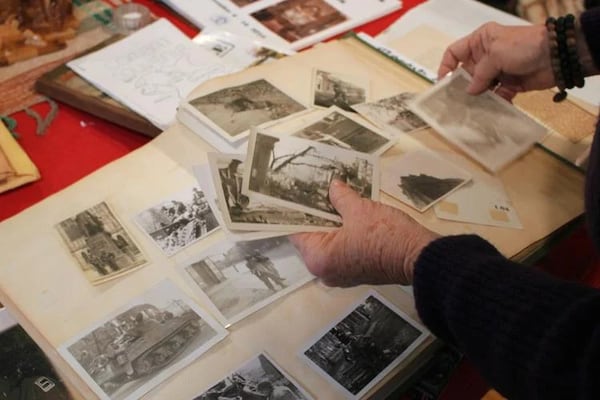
point(258, 378)
point(240, 278)
point(204, 177)
point(361, 348)
point(420, 178)
point(139, 346)
point(179, 220)
point(338, 89)
point(243, 212)
point(342, 129)
point(392, 114)
point(232, 111)
point(100, 244)
point(486, 127)
point(297, 173)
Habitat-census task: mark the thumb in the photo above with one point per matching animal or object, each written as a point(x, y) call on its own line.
point(343, 197)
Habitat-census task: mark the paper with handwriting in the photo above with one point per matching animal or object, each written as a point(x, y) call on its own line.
point(151, 71)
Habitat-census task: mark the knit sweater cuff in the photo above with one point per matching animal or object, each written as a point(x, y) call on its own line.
point(590, 24)
point(435, 277)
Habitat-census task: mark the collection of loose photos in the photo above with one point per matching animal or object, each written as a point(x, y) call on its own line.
point(278, 186)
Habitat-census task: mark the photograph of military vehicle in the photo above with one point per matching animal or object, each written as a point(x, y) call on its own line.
point(156, 334)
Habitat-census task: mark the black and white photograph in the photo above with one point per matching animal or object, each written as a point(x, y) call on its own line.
point(342, 91)
point(392, 114)
point(421, 178)
point(486, 127)
point(100, 244)
point(368, 342)
point(240, 278)
point(232, 111)
point(293, 20)
point(243, 212)
point(341, 129)
point(138, 347)
point(296, 173)
point(179, 221)
point(258, 378)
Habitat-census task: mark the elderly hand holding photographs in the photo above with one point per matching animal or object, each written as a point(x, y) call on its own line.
point(377, 244)
point(516, 57)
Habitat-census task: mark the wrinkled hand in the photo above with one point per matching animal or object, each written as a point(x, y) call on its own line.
point(518, 57)
point(377, 244)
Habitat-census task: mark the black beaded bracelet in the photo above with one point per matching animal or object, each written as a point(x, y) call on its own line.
point(568, 72)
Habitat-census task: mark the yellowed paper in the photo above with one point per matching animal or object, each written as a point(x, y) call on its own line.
point(15, 166)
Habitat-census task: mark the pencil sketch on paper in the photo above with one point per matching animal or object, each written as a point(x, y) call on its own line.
point(233, 110)
point(333, 89)
point(340, 129)
point(392, 114)
point(486, 127)
point(244, 212)
point(297, 173)
point(179, 221)
point(421, 178)
point(138, 347)
point(296, 19)
point(241, 277)
point(357, 352)
point(258, 378)
point(100, 244)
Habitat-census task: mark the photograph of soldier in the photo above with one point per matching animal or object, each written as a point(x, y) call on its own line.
point(296, 19)
point(178, 222)
point(233, 110)
point(239, 278)
point(241, 212)
point(258, 379)
point(296, 173)
point(100, 244)
point(332, 89)
point(371, 339)
point(157, 333)
point(340, 129)
point(392, 114)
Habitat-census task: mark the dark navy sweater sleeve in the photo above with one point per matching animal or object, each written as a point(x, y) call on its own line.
point(532, 336)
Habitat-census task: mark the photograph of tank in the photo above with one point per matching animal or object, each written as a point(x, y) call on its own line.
point(486, 127)
point(135, 349)
point(242, 212)
point(259, 378)
point(232, 111)
point(334, 89)
point(293, 20)
point(392, 114)
point(341, 129)
point(296, 173)
point(421, 178)
point(100, 244)
point(179, 221)
point(240, 278)
point(359, 350)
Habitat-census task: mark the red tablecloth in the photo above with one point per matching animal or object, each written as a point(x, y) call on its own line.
point(76, 144)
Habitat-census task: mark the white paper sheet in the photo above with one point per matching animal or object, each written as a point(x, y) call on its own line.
point(151, 71)
point(292, 23)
